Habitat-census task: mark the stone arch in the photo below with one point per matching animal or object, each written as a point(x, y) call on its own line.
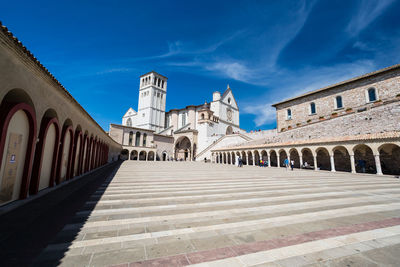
point(233, 157)
point(183, 148)
point(295, 157)
point(389, 155)
point(273, 158)
point(342, 159)
point(364, 159)
point(164, 156)
point(264, 155)
point(45, 161)
point(282, 156)
point(142, 155)
point(133, 155)
point(124, 154)
point(256, 157)
point(17, 122)
point(229, 130)
point(323, 159)
point(65, 152)
point(77, 149)
point(244, 157)
point(250, 158)
point(150, 156)
point(308, 157)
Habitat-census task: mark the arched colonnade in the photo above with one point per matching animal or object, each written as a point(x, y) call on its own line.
point(381, 157)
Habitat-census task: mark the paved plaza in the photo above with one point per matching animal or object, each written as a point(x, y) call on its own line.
point(203, 214)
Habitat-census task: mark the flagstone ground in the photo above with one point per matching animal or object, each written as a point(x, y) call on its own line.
point(179, 213)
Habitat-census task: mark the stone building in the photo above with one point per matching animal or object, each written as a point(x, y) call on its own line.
point(46, 137)
point(193, 129)
point(349, 126)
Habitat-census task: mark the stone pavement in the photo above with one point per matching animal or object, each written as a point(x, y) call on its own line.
point(178, 213)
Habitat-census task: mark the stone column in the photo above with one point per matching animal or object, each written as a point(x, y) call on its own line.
point(378, 165)
point(352, 163)
point(315, 163)
point(332, 163)
point(269, 161)
point(254, 160)
point(155, 156)
point(301, 161)
point(138, 156)
point(277, 158)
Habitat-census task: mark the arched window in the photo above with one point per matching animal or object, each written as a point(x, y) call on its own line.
point(313, 109)
point(202, 116)
point(339, 102)
point(144, 139)
point(229, 100)
point(372, 95)
point(137, 139)
point(130, 138)
point(162, 84)
point(129, 122)
point(183, 119)
point(289, 114)
point(159, 82)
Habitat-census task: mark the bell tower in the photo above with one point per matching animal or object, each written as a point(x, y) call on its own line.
point(152, 100)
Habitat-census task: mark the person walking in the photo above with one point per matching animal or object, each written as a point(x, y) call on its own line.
point(292, 164)
point(286, 162)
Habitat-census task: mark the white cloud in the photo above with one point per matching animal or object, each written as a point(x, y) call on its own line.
point(296, 83)
point(368, 11)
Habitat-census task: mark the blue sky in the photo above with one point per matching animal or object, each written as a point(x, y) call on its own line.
point(266, 50)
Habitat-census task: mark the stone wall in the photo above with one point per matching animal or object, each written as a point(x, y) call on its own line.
point(375, 119)
point(354, 95)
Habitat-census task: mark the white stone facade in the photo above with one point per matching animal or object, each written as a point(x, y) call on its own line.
point(203, 124)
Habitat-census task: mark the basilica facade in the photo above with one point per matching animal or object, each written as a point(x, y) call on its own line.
point(152, 133)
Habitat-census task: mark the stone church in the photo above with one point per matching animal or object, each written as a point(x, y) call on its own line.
point(179, 134)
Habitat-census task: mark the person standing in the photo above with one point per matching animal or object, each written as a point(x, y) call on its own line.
point(286, 162)
point(292, 164)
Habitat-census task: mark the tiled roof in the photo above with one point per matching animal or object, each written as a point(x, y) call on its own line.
point(362, 137)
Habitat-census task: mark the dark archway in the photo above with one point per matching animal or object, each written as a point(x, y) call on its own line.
point(323, 159)
point(342, 159)
point(244, 158)
point(229, 130)
point(256, 158)
point(142, 155)
point(307, 156)
point(390, 159)
point(134, 155)
point(294, 156)
point(250, 158)
point(273, 158)
point(364, 159)
point(282, 157)
point(183, 148)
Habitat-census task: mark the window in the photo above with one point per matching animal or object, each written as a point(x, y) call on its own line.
point(162, 84)
point(137, 139)
point(144, 139)
point(313, 109)
point(372, 95)
point(339, 102)
point(183, 119)
point(129, 122)
point(289, 114)
point(229, 100)
point(202, 116)
point(130, 138)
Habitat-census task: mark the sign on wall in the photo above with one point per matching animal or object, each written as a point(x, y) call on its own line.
point(10, 167)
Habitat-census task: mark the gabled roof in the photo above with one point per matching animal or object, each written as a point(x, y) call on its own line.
point(130, 109)
point(227, 91)
point(367, 75)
